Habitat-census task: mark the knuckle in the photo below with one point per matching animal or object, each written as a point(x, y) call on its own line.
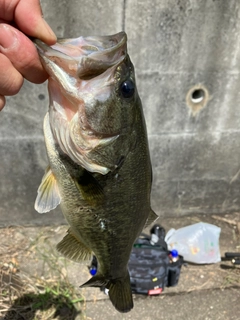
point(11, 79)
point(12, 85)
point(15, 85)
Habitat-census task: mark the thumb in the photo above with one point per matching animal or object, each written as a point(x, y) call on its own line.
point(28, 17)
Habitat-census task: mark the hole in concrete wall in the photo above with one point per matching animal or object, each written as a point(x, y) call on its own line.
point(197, 95)
point(41, 96)
point(197, 98)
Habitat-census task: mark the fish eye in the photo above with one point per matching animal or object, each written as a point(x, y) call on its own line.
point(127, 88)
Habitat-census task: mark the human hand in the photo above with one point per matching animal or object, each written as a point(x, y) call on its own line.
point(18, 55)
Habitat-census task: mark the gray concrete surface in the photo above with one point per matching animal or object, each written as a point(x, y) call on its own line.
point(198, 305)
point(177, 47)
point(204, 292)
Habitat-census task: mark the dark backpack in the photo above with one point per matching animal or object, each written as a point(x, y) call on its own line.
point(151, 268)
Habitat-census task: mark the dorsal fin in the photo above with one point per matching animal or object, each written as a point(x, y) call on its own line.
point(151, 218)
point(48, 197)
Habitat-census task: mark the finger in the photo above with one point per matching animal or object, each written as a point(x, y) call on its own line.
point(11, 80)
point(27, 15)
point(22, 53)
point(2, 102)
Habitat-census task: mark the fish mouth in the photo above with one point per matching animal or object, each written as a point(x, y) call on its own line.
point(82, 78)
point(88, 56)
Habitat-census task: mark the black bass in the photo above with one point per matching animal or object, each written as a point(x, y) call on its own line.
point(99, 165)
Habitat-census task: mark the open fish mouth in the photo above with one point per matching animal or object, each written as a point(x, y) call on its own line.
point(89, 56)
point(88, 113)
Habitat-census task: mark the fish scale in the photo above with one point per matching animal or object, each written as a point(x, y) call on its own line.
point(99, 165)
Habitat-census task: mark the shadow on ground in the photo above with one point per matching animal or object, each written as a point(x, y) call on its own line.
point(28, 306)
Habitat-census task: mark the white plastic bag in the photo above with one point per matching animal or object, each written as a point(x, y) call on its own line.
point(197, 243)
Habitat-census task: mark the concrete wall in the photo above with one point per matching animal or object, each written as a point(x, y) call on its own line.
point(187, 59)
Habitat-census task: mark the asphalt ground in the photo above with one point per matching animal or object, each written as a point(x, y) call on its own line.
point(31, 269)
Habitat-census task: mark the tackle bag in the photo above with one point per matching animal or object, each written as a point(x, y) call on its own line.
point(151, 266)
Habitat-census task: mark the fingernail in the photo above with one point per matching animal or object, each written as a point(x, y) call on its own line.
point(51, 33)
point(8, 37)
point(51, 38)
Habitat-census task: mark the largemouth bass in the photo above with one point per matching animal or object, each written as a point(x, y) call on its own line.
point(99, 165)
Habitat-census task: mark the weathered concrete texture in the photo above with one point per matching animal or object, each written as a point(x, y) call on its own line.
point(83, 18)
point(19, 181)
point(175, 46)
point(23, 157)
point(183, 182)
point(195, 154)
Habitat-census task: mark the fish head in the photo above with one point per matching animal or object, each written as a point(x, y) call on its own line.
point(93, 99)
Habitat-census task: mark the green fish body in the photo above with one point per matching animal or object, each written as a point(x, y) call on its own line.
point(99, 165)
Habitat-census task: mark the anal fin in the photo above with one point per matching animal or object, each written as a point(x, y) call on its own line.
point(96, 281)
point(73, 249)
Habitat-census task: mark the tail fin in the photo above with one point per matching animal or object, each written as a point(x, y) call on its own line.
point(120, 292)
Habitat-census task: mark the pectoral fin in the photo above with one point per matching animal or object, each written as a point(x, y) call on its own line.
point(48, 197)
point(151, 218)
point(73, 249)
